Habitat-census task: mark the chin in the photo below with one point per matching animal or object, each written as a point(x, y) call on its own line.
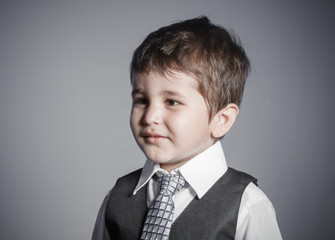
point(157, 160)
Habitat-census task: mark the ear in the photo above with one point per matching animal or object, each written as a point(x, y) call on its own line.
point(224, 120)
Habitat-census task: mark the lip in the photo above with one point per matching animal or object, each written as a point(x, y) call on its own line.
point(153, 137)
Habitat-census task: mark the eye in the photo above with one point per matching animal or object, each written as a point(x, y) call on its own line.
point(171, 102)
point(140, 101)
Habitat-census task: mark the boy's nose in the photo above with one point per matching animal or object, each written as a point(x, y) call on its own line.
point(152, 115)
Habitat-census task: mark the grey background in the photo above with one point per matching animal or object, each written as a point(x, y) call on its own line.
point(65, 103)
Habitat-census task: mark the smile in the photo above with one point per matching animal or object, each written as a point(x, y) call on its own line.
point(153, 138)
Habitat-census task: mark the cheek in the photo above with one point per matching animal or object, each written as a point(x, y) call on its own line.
point(193, 123)
point(183, 124)
point(177, 120)
point(134, 119)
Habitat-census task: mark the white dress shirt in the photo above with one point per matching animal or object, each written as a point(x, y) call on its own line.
point(256, 218)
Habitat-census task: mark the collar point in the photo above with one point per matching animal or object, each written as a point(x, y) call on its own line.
point(199, 196)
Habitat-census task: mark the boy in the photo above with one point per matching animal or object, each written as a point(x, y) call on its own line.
point(188, 80)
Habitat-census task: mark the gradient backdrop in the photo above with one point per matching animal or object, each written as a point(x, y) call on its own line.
point(65, 103)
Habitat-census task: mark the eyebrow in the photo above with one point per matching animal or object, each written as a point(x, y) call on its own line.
point(136, 91)
point(165, 93)
point(172, 93)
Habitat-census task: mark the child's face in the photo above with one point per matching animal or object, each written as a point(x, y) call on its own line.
point(169, 118)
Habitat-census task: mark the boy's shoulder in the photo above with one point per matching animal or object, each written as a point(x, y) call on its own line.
point(130, 179)
point(239, 176)
point(125, 185)
point(131, 175)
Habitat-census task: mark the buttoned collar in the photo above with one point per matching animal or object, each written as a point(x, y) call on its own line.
point(201, 172)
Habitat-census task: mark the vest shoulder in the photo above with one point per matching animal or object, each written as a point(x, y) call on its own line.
point(131, 176)
point(240, 176)
point(126, 182)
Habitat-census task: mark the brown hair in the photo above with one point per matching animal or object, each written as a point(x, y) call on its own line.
point(196, 46)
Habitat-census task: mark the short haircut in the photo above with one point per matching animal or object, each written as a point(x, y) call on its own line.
point(208, 52)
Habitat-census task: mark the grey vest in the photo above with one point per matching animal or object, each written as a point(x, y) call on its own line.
point(214, 216)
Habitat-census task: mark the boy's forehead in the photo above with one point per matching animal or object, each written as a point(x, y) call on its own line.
point(168, 78)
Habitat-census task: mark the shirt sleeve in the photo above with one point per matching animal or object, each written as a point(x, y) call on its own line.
point(100, 231)
point(257, 217)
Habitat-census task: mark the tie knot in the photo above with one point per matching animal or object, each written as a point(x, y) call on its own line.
point(171, 183)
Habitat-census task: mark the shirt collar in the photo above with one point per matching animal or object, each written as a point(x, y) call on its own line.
point(201, 172)
point(149, 169)
point(205, 169)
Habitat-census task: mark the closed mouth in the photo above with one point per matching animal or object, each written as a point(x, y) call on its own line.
point(152, 137)
point(152, 134)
